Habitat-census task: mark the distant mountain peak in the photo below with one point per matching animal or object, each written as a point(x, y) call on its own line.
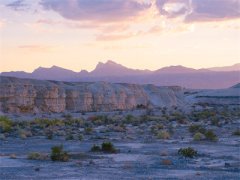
point(108, 63)
point(110, 71)
point(176, 69)
point(111, 62)
point(55, 67)
point(179, 66)
point(235, 67)
point(111, 68)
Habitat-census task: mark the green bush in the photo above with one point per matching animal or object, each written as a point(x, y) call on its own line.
point(5, 124)
point(141, 106)
point(80, 137)
point(108, 147)
point(198, 136)
point(129, 118)
point(37, 156)
point(196, 128)
point(215, 122)
point(205, 114)
point(210, 135)
point(156, 128)
point(58, 154)
point(163, 135)
point(95, 148)
point(187, 152)
point(69, 137)
point(67, 116)
point(88, 130)
point(179, 117)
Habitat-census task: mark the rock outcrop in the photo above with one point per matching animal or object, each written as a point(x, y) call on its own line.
point(36, 96)
point(230, 96)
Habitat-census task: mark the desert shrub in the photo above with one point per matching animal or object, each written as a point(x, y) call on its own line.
point(69, 137)
point(160, 126)
point(196, 128)
point(80, 137)
point(187, 152)
point(22, 124)
point(180, 118)
point(215, 122)
point(48, 122)
point(137, 120)
point(37, 156)
point(76, 122)
point(129, 118)
point(205, 114)
point(95, 148)
point(236, 132)
point(165, 117)
point(58, 154)
point(88, 130)
point(122, 126)
point(198, 136)
point(34, 155)
point(156, 128)
point(67, 116)
point(5, 124)
point(100, 120)
point(163, 135)
point(23, 134)
point(141, 106)
point(210, 135)
point(108, 147)
point(73, 122)
point(55, 122)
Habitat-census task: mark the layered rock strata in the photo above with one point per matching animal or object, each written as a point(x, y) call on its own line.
point(36, 96)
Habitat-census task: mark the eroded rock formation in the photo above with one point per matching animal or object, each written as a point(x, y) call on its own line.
point(36, 96)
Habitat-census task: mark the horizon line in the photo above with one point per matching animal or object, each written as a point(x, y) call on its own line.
point(109, 61)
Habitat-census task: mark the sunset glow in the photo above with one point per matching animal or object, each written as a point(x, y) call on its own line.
point(141, 34)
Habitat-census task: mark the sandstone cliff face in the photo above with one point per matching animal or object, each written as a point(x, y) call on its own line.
point(35, 96)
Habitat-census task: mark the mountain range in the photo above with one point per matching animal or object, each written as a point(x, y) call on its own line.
point(210, 78)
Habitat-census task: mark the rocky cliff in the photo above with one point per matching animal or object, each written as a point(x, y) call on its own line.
point(36, 96)
point(230, 96)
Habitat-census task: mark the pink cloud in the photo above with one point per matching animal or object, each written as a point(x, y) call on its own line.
point(95, 10)
point(35, 48)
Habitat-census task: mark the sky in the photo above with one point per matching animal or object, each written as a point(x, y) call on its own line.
point(140, 34)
